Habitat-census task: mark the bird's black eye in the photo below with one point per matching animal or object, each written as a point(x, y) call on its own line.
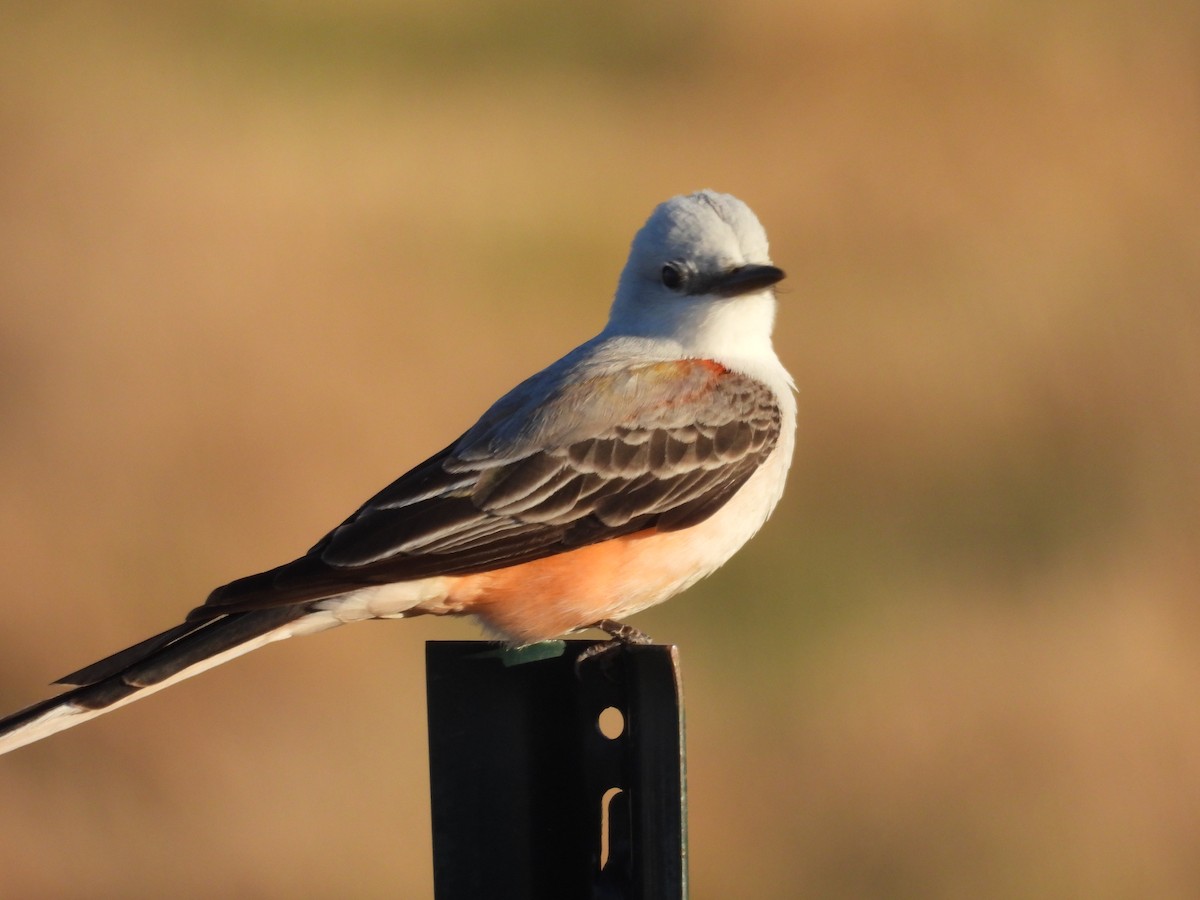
point(672, 277)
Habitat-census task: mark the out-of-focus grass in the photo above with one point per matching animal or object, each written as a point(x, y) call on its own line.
point(620, 40)
point(255, 258)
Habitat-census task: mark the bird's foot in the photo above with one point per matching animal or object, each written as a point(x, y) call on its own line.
point(622, 636)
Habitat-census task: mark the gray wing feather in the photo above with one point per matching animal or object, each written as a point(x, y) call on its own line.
point(692, 433)
point(663, 445)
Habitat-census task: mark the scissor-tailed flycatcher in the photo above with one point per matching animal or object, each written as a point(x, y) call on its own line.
point(608, 482)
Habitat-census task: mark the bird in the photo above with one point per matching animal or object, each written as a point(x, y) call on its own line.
point(608, 482)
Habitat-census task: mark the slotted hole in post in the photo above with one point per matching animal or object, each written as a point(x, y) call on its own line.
point(611, 723)
point(605, 824)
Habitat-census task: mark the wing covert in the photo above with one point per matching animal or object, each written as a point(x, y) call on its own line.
point(685, 436)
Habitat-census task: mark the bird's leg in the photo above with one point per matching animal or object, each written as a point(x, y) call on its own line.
point(622, 633)
point(622, 636)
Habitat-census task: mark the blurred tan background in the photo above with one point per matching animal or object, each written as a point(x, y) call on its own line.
point(258, 257)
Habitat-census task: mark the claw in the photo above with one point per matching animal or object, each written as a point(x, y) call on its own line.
point(621, 635)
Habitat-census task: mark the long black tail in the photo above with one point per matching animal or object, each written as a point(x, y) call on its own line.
point(153, 664)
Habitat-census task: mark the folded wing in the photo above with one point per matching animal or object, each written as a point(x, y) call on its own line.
point(684, 437)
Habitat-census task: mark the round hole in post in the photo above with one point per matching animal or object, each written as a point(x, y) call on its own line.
point(611, 723)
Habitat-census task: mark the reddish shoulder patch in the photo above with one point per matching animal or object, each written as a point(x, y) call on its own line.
point(711, 364)
point(691, 368)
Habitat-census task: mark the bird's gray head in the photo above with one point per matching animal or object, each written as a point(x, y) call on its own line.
point(699, 272)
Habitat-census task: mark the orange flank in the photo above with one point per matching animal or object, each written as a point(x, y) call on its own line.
point(539, 600)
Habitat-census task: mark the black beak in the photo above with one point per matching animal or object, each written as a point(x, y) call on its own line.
point(746, 280)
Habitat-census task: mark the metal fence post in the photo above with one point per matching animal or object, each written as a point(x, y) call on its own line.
point(530, 798)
